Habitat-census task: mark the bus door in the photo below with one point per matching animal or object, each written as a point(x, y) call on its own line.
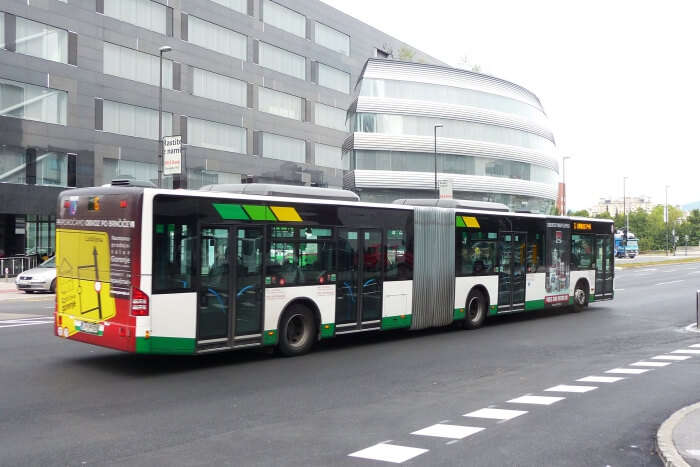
point(512, 268)
point(359, 280)
point(604, 267)
point(230, 292)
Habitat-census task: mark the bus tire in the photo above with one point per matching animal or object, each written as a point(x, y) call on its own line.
point(52, 289)
point(297, 331)
point(475, 311)
point(580, 296)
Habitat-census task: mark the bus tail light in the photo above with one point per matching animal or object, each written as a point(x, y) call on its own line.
point(139, 302)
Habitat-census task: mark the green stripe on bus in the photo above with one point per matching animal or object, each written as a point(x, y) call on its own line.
point(231, 211)
point(165, 345)
point(270, 337)
point(459, 222)
point(459, 314)
point(591, 297)
point(259, 213)
point(493, 310)
point(534, 305)
point(396, 322)
point(327, 330)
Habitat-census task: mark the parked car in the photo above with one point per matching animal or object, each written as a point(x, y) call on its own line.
point(39, 279)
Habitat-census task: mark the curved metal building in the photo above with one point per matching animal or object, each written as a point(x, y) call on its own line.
point(494, 142)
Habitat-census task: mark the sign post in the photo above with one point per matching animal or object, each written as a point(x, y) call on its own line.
point(445, 188)
point(172, 155)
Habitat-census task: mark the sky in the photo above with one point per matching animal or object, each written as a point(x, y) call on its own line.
point(619, 80)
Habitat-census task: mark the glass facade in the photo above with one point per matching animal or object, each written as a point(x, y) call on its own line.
point(451, 163)
point(131, 120)
point(219, 87)
point(197, 178)
point(136, 66)
point(331, 117)
point(332, 39)
point(281, 60)
point(235, 5)
point(41, 40)
point(142, 13)
point(280, 103)
point(214, 135)
point(117, 168)
point(281, 17)
point(21, 100)
point(283, 147)
point(448, 95)
point(424, 126)
point(328, 156)
point(218, 38)
point(333, 78)
point(50, 168)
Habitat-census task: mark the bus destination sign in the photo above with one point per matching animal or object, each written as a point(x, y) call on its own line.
point(582, 226)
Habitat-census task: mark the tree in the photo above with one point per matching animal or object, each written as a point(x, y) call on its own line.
point(603, 215)
point(466, 64)
point(406, 54)
point(580, 213)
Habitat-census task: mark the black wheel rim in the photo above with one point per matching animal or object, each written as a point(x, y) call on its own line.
point(580, 296)
point(296, 331)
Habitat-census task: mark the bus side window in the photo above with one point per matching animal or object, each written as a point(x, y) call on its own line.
point(582, 252)
point(535, 252)
point(463, 257)
point(398, 261)
point(173, 247)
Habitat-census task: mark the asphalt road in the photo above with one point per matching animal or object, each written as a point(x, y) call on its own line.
point(65, 403)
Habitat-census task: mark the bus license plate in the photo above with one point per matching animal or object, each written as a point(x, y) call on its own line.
point(90, 328)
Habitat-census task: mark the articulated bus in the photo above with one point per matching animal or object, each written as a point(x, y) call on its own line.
point(159, 271)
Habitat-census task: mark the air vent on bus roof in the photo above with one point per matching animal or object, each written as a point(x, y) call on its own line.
point(455, 203)
point(132, 182)
point(291, 191)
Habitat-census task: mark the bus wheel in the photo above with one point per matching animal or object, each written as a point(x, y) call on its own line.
point(53, 286)
point(297, 331)
point(476, 310)
point(580, 297)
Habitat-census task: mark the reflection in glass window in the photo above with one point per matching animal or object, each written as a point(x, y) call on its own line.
point(52, 169)
point(142, 13)
point(399, 258)
point(173, 247)
point(219, 87)
point(281, 60)
point(236, 5)
point(281, 17)
point(582, 252)
point(136, 66)
point(328, 156)
point(214, 37)
point(41, 40)
point(332, 39)
point(214, 135)
point(31, 102)
point(475, 252)
point(131, 120)
point(121, 168)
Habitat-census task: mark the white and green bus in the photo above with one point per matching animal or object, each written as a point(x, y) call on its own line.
point(238, 266)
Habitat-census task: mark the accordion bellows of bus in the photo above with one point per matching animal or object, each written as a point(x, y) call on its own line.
point(161, 271)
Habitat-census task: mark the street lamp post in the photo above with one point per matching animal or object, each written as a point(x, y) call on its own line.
point(563, 194)
point(164, 49)
point(435, 127)
point(624, 210)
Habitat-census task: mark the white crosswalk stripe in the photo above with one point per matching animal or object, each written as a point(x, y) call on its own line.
point(690, 351)
point(656, 364)
point(695, 345)
point(448, 431)
point(568, 388)
point(496, 414)
point(389, 453)
point(536, 400)
point(601, 379)
point(671, 357)
point(628, 371)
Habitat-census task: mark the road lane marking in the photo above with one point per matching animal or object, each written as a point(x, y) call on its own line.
point(671, 282)
point(568, 388)
point(389, 453)
point(536, 400)
point(13, 323)
point(650, 364)
point(601, 379)
point(694, 345)
point(671, 357)
point(692, 351)
point(694, 272)
point(496, 414)
point(448, 431)
point(628, 371)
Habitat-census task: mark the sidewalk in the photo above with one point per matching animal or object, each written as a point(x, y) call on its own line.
point(7, 285)
point(678, 438)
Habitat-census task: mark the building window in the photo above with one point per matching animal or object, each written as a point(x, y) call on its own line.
point(281, 17)
point(280, 60)
point(219, 87)
point(120, 168)
point(142, 13)
point(197, 178)
point(280, 103)
point(217, 38)
point(2, 30)
point(41, 40)
point(213, 135)
point(332, 39)
point(283, 147)
point(328, 156)
point(240, 6)
point(332, 78)
point(331, 117)
point(130, 120)
point(31, 102)
point(136, 66)
point(379, 53)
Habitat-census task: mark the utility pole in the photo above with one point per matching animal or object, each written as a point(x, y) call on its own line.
point(624, 209)
point(666, 216)
point(563, 191)
point(435, 127)
point(164, 49)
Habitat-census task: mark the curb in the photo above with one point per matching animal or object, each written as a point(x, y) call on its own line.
point(664, 438)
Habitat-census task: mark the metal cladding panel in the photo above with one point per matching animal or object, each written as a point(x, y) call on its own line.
point(452, 112)
point(466, 147)
point(433, 267)
point(402, 180)
point(446, 76)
